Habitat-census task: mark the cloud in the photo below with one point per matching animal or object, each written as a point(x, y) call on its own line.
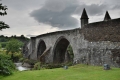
point(56, 19)
point(58, 13)
point(22, 4)
point(93, 9)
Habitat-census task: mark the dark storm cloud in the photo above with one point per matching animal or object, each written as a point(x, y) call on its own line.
point(61, 19)
point(57, 13)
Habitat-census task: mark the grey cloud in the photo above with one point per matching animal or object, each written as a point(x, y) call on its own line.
point(95, 9)
point(92, 9)
point(116, 7)
point(57, 16)
point(57, 13)
point(113, 4)
point(22, 4)
point(59, 5)
point(56, 19)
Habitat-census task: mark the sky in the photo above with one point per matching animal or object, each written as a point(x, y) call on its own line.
point(36, 17)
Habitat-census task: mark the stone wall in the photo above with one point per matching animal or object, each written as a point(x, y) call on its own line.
point(102, 31)
point(99, 53)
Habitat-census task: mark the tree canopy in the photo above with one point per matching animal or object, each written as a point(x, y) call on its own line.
point(2, 13)
point(14, 45)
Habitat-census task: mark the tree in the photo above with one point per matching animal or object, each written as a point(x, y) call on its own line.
point(14, 45)
point(2, 13)
point(6, 65)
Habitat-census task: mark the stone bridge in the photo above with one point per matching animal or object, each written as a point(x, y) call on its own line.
point(92, 44)
point(58, 43)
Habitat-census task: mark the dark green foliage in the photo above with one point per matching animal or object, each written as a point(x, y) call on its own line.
point(6, 65)
point(3, 25)
point(5, 39)
point(22, 38)
point(2, 13)
point(3, 8)
point(3, 44)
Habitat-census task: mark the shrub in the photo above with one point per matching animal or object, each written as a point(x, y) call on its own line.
point(15, 56)
point(6, 65)
point(22, 59)
point(69, 64)
point(52, 66)
point(37, 66)
point(29, 61)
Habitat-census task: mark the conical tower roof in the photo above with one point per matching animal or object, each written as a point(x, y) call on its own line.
point(107, 16)
point(84, 14)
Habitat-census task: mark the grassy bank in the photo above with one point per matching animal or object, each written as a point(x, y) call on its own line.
point(78, 72)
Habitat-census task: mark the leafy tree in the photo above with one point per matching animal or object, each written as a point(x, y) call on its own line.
point(6, 65)
point(14, 45)
point(2, 13)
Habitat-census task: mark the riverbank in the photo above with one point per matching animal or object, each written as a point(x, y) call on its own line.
point(77, 72)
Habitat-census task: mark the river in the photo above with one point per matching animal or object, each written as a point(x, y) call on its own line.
point(20, 67)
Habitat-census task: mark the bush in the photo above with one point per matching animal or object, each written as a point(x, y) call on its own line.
point(6, 65)
point(15, 56)
point(29, 61)
point(22, 59)
point(52, 66)
point(3, 44)
point(37, 66)
point(69, 64)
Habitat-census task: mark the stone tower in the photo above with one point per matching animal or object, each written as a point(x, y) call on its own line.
point(107, 16)
point(84, 18)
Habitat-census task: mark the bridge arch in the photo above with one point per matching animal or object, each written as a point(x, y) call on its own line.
point(60, 50)
point(40, 49)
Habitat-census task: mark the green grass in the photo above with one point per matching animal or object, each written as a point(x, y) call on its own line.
point(77, 72)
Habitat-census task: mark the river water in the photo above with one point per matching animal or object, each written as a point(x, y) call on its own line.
point(20, 67)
